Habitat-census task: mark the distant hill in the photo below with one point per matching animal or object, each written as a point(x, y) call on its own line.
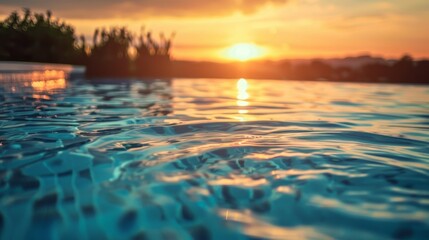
point(351, 62)
point(349, 69)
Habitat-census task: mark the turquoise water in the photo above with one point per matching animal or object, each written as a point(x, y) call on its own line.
point(212, 159)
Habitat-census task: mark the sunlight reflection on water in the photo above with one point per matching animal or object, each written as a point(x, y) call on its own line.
point(242, 96)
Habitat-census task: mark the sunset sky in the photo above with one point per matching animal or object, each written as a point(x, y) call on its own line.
point(272, 29)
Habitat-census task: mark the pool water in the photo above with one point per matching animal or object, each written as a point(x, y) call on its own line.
point(213, 159)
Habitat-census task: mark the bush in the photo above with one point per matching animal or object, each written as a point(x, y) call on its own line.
point(37, 37)
point(153, 58)
point(110, 53)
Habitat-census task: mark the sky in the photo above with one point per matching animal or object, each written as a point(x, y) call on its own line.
point(275, 29)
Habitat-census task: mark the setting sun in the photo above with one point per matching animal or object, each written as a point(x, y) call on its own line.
point(244, 51)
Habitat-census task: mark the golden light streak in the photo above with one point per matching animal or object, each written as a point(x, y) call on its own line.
point(242, 96)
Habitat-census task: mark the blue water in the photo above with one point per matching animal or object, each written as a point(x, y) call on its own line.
point(212, 159)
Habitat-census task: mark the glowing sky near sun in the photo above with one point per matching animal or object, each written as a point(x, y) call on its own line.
point(206, 29)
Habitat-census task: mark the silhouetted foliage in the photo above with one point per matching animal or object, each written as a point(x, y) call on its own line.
point(40, 38)
point(402, 71)
point(317, 69)
point(153, 57)
point(422, 71)
point(374, 72)
point(37, 37)
point(110, 53)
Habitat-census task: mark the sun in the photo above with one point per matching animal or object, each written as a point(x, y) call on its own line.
point(244, 51)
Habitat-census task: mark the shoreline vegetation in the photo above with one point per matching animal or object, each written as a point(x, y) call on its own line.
point(117, 52)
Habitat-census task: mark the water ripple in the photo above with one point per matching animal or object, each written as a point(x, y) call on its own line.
point(192, 159)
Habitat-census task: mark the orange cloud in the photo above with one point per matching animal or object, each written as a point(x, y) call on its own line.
point(141, 8)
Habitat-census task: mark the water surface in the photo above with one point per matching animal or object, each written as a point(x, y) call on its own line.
point(212, 159)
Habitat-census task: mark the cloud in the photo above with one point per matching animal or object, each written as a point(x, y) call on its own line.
point(140, 8)
point(355, 22)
